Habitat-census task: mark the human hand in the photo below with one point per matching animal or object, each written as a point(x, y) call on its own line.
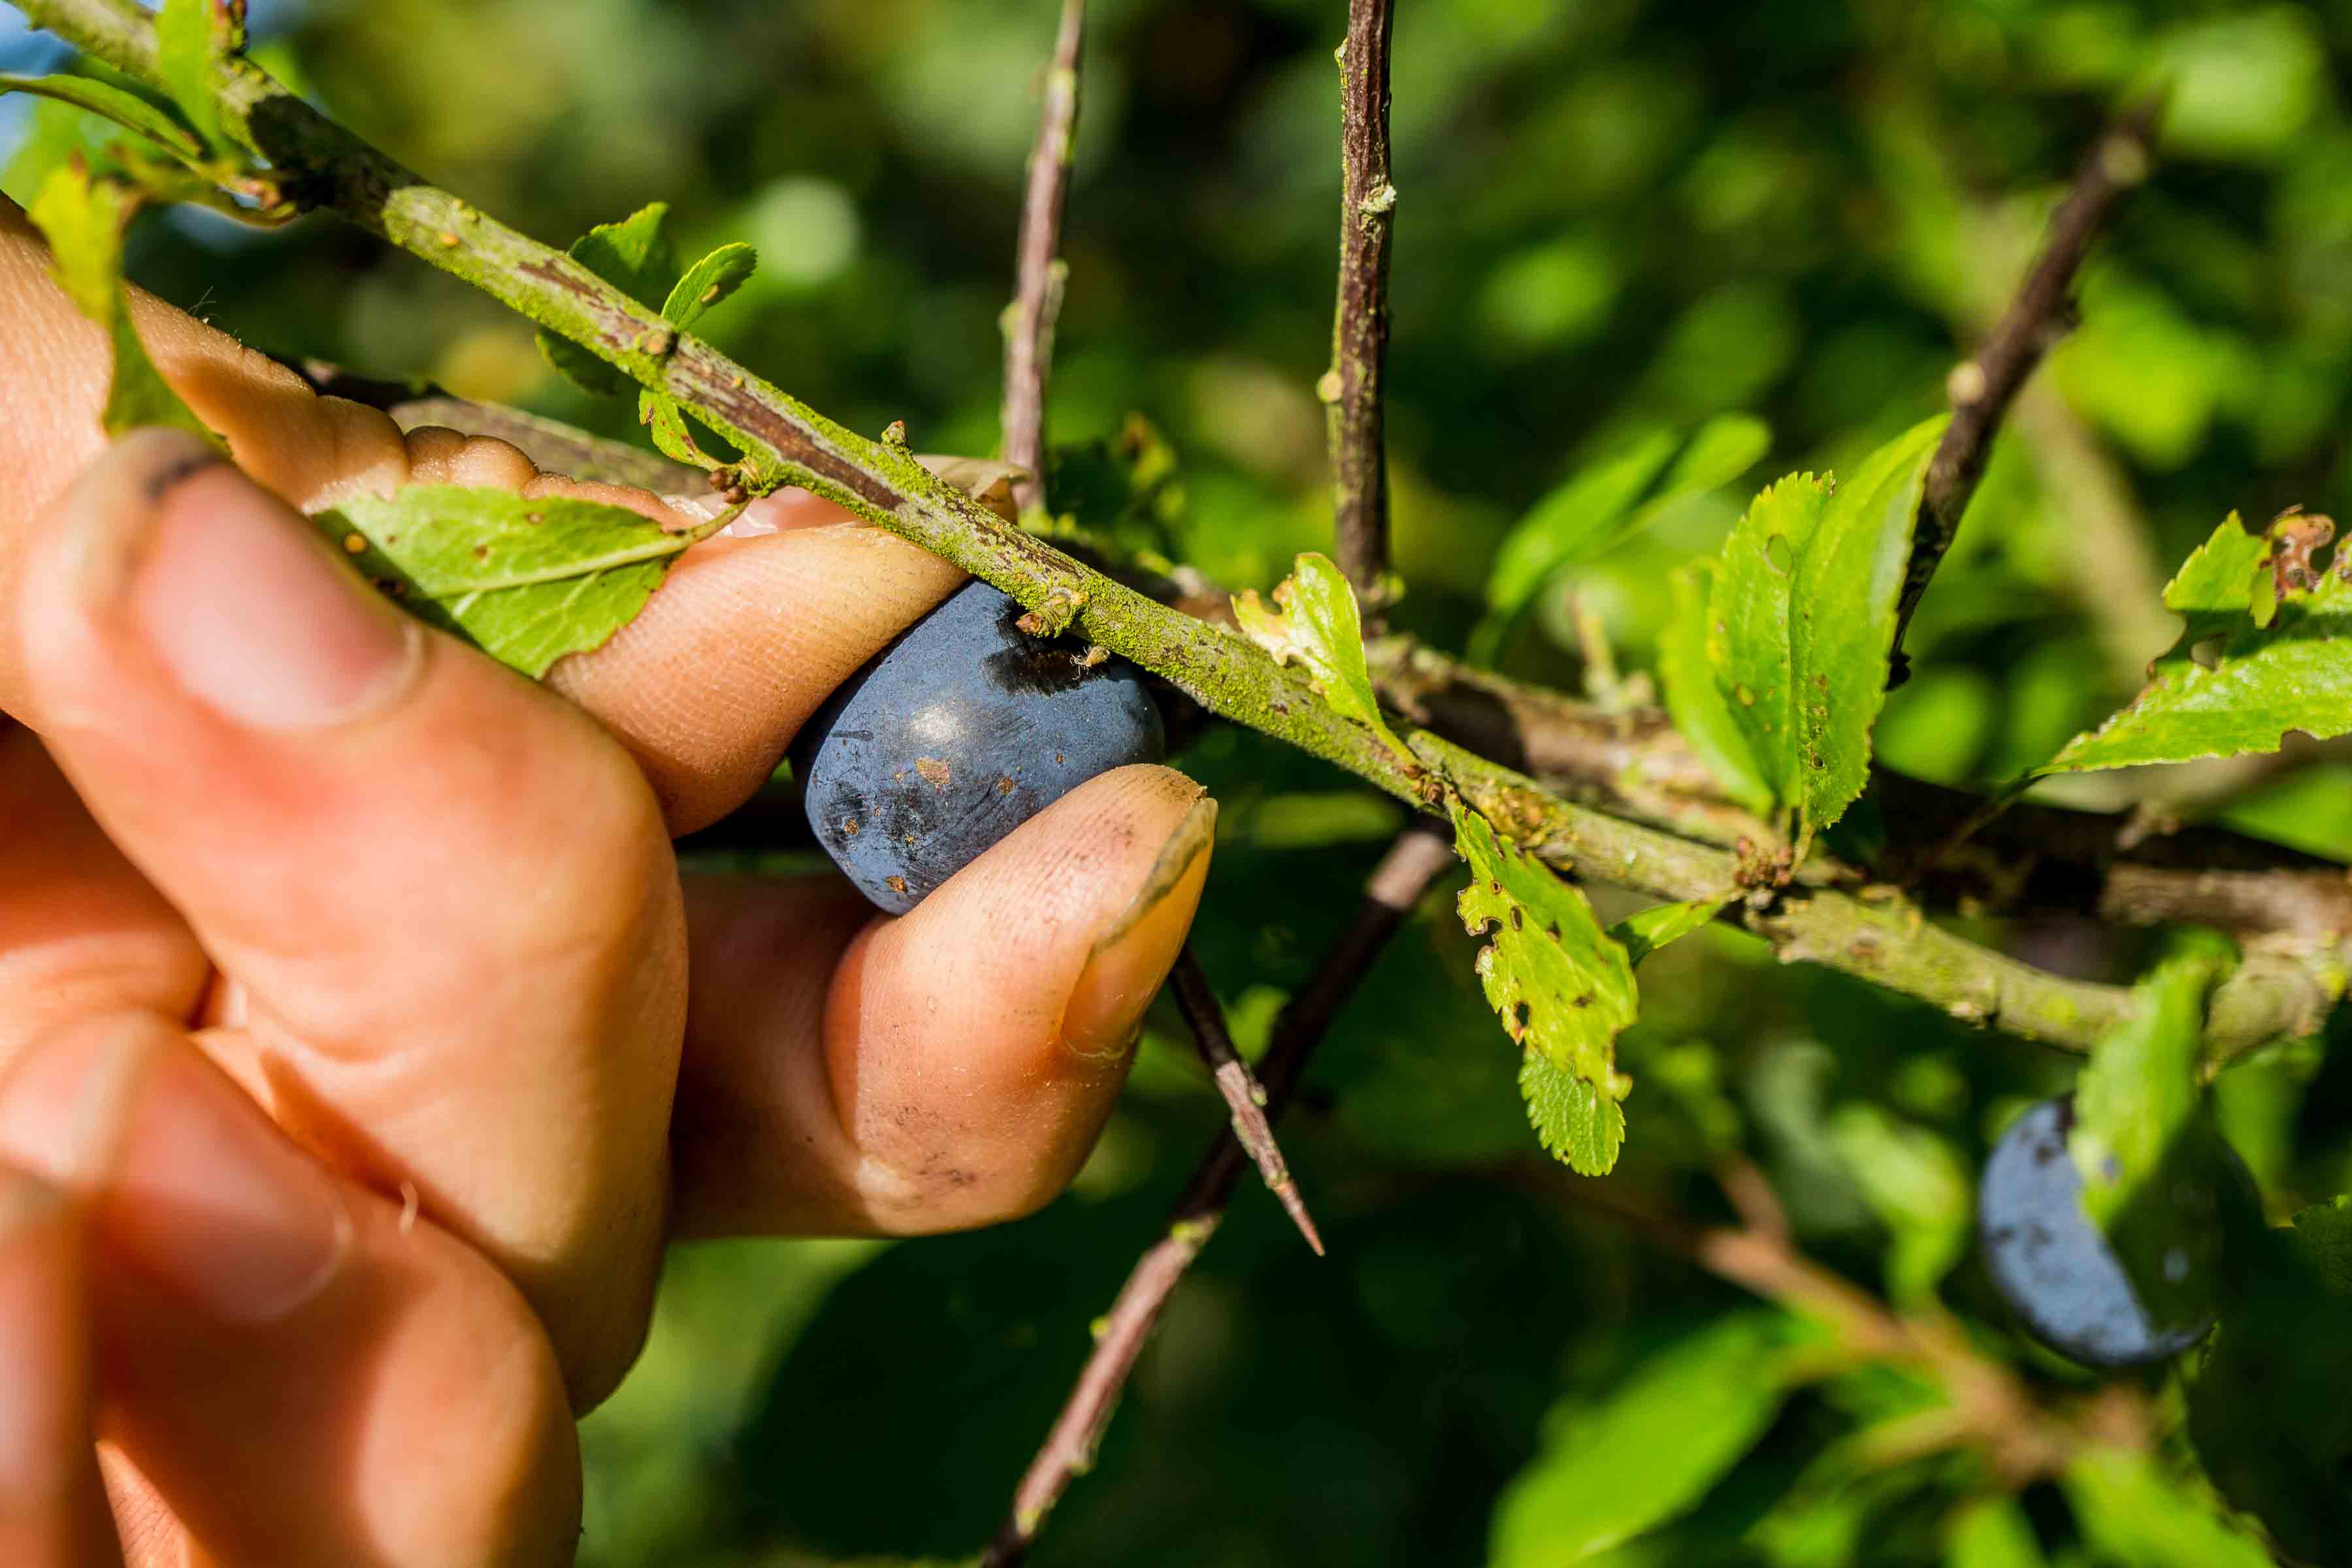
point(361, 1046)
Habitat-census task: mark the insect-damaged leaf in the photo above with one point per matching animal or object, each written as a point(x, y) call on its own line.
point(1318, 624)
point(83, 216)
point(526, 581)
point(2274, 661)
point(1563, 987)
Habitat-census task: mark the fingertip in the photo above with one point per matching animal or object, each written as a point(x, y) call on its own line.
point(976, 1044)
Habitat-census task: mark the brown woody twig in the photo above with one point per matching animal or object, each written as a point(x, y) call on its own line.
point(1420, 853)
point(1982, 387)
point(1041, 273)
point(1244, 1096)
point(1360, 328)
point(1990, 1407)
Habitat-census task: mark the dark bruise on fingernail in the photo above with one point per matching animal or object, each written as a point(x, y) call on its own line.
point(169, 477)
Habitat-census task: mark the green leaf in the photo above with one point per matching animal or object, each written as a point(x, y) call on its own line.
point(2322, 1237)
point(1644, 932)
point(1614, 1469)
point(119, 104)
point(1701, 708)
point(193, 40)
point(2271, 664)
point(1915, 1182)
point(83, 217)
point(1992, 1532)
point(633, 255)
point(1319, 626)
point(527, 581)
point(1802, 621)
point(1752, 627)
point(708, 281)
point(1562, 527)
point(665, 420)
point(2138, 1140)
point(1603, 505)
point(1847, 587)
point(2138, 1518)
point(1563, 987)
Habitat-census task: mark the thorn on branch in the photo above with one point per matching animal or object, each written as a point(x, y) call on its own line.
point(1418, 856)
point(1243, 1095)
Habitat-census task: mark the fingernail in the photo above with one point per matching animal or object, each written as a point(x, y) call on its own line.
point(1132, 957)
point(190, 1182)
point(252, 616)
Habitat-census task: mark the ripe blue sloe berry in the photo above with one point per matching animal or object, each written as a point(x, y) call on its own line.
point(961, 730)
point(2048, 1258)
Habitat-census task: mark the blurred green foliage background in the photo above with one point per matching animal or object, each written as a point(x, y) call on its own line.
point(1615, 215)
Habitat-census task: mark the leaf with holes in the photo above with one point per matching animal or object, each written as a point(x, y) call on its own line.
point(527, 581)
point(633, 255)
point(1563, 987)
point(1317, 625)
point(83, 217)
point(2266, 649)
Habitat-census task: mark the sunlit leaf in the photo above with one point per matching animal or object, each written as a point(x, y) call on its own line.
point(1615, 1467)
point(1914, 1181)
point(633, 255)
point(83, 217)
point(527, 581)
point(2250, 666)
point(2139, 1517)
point(193, 39)
point(1992, 1532)
point(119, 104)
point(1700, 707)
point(1564, 987)
point(1644, 932)
point(1605, 503)
point(708, 281)
point(2139, 1143)
point(1316, 624)
point(1802, 621)
point(1753, 626)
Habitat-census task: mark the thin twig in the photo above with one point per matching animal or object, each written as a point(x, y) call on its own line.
point(1360, 328)
point(1420, 855)
point(1244, 1096)
point(2037, 317)
point(1041, 273)
point(1990, 1406)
